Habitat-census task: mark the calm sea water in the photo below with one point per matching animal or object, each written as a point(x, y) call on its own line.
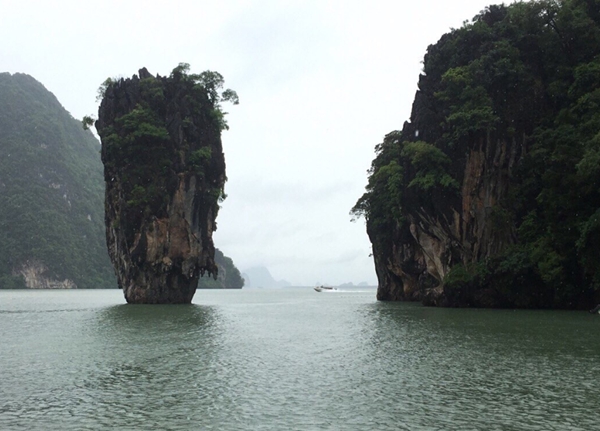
point(291, 359)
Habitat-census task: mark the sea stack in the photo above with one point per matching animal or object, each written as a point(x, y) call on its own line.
point(164, 170)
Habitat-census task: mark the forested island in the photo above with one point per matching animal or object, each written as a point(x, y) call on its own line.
point(490, 195)
point(51, 193)
point(164, 171)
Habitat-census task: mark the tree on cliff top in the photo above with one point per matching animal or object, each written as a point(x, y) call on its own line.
point(212, 82)
point(526, 73)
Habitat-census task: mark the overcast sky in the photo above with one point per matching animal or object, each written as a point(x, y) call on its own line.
point(320, 83)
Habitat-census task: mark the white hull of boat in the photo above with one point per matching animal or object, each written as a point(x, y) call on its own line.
point(325, 289)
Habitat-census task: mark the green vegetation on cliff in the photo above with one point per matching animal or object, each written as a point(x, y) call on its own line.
point(51, 191)
point(138, 144)
point(518, 86)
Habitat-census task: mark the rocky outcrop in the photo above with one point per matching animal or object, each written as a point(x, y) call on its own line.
point(458, 227)
point(36, 276)
point(164, 170)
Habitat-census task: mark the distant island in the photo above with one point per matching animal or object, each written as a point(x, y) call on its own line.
point(490, 195)
point(351, 284)
point(260, 277)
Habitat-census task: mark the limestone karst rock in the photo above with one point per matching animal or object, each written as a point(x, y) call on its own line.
point(488, 196)
point(165, 171)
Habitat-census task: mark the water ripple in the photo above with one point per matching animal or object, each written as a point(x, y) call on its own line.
point(294, 360)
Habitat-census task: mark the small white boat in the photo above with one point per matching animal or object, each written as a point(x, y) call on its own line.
point(325, 289)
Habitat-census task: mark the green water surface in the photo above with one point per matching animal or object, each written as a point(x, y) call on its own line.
point(291, 359)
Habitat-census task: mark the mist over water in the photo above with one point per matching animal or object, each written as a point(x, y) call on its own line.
point(291, 359)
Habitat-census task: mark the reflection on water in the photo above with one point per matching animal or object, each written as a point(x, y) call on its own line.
point(156, 323)
point(167, 364)
point(292, 359)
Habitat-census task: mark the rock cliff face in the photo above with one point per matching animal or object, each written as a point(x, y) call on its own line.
point(489, 196)
point(165, 171)
point(36, 276)
point(458, 226)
